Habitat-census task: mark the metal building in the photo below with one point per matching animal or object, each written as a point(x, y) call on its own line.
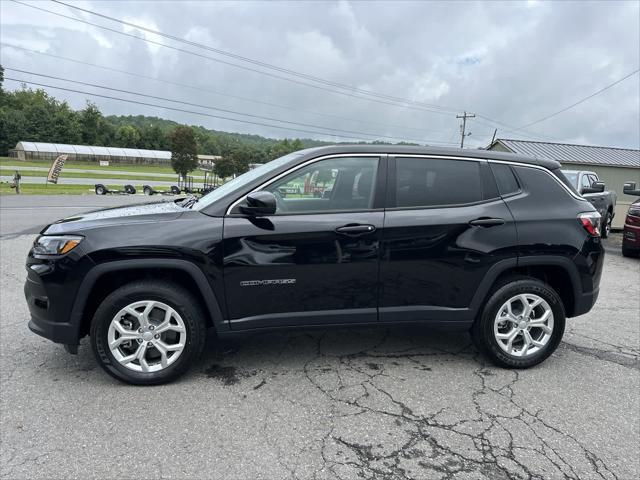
point(85, 153)
point(614, 166)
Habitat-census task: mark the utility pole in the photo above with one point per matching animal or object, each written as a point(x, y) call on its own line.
point(463, 127)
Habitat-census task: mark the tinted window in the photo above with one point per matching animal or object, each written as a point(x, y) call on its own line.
point(572, 176)
point(505, 179)
point(424, 182)
point(327, 185)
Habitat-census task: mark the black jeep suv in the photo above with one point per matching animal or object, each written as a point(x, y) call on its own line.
point(497, 244)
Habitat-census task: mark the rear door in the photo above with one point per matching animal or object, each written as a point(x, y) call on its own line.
point(316, 260)
point(445, 226)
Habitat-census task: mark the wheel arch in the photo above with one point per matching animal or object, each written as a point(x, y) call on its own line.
point(104, 278)
point(558, 272)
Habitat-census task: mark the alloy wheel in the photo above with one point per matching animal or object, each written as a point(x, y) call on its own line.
point(523, 325)
point(147, 336)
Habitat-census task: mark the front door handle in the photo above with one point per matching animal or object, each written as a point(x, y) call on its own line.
point(356, 229)
point(487, 222)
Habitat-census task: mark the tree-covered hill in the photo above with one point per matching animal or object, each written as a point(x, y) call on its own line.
point(34, 115)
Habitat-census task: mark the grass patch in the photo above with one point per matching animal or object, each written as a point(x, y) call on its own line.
point(66, 174)
point(37, 189)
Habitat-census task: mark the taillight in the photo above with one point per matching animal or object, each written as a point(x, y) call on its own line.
point(590, 221)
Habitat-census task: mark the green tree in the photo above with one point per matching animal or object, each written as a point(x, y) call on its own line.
point(12, 129)
point(153, 138)
point(224, 167)
point(127, 136)
point(184, 150)
point(91, 120)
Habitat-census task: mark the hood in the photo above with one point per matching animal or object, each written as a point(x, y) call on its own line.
point(139, 213)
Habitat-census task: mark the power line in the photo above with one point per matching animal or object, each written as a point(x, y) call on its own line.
point(30, 82)
point(375, 135)
point(580, 101)
point(244, 67)
point(253, 61)
point(214, 92)
point(401, 103)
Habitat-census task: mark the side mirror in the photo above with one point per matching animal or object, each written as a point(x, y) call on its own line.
point(259, 203)
point(596, 187)
point(630, 189)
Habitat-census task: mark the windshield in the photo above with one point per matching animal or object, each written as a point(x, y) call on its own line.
point(572, 177)
point(242, 180)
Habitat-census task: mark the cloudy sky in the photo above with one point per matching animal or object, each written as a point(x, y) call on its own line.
point(359, 70)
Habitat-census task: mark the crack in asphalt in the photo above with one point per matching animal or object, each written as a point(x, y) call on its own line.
point(626, 360)
point(426, 449)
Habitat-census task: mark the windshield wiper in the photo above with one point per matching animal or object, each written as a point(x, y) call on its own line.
point(190, 201)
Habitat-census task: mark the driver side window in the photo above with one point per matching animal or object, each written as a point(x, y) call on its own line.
point(335, 184)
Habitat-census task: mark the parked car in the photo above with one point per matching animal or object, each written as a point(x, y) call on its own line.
point(492, 243)
point(590, 187)
point(631, 233)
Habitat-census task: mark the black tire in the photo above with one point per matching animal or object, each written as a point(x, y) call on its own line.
point(482, 329)
point(101, 189)
point(147, 190)
point(168, 293)
point(175, 190)
point(605, 225)
point(130, 189)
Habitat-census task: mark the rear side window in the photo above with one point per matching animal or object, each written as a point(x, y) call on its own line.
point(505, 179)
point(422, 182)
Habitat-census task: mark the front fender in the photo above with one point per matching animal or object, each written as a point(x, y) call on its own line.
point(211, 302)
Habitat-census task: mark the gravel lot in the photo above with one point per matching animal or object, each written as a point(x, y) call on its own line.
point(362, 403)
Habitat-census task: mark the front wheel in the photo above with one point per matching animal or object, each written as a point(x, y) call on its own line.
point(521, 324)
point(148, 332)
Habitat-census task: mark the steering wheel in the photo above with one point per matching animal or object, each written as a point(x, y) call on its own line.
point(281, 205)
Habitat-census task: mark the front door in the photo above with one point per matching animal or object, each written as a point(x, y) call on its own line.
point(315, 261)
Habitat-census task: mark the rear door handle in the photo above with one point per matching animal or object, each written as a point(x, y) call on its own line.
point(356, 229)
point(487, 222)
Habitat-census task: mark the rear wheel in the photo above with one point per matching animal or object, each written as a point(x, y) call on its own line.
point(147, 190)
point(101, 189)
point(521, 325)
point(148, 332)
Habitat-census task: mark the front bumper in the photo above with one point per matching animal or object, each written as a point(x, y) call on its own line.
point(45, 313)
point(631, 237)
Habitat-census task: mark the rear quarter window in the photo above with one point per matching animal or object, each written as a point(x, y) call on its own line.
point(505, 179)
point(543, 186)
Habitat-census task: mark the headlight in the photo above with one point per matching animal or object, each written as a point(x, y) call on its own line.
point(55, 245)
point(634, 211)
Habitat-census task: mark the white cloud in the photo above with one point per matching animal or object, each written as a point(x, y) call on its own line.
point(510, 61)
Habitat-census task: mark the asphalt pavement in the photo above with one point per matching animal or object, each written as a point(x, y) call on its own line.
point(375, 403)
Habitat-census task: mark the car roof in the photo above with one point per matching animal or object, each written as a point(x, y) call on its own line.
point(400, 150)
